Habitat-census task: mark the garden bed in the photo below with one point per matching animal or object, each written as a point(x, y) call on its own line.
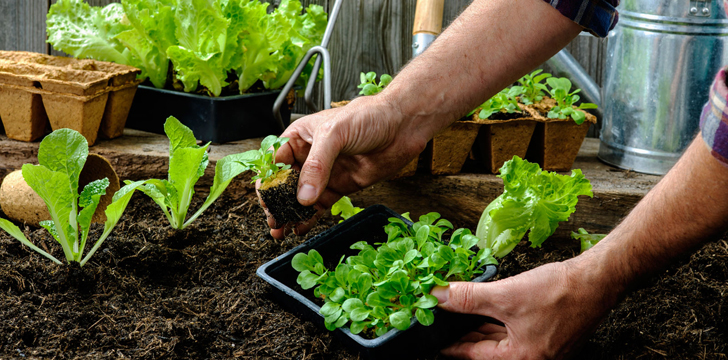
point(151, 293)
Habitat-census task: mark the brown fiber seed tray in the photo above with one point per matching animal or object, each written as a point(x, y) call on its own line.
point(556, 142)
point(22, 113)
point(450, 147)
point(500, 140)
point(89, 96)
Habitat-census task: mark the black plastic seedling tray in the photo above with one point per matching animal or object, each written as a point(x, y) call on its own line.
point(368, 226)
point(217, 119)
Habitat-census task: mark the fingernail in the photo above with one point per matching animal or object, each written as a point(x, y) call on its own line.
point(307, 192)
point(441, 293)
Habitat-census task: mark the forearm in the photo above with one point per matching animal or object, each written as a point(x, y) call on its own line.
point(491, 45)
point(687, 208)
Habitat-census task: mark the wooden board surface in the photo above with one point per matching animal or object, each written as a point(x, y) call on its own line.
point(139, 155)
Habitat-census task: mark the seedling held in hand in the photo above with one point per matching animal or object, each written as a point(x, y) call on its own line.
point(279, 183)
point(61, 157)
point(560, 91)
point(369, 84)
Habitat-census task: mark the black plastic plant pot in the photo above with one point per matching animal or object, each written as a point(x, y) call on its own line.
point(368, 226)
point(217, 119)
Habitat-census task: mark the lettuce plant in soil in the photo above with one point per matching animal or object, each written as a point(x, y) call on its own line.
point(565, 99)
point(216, 44)
point(187, 163)
point(384, 287)
point(503, 102)
point(369, 84)
point(278, 182)
point(61, 157)
point(532, 89)
point(587, 240)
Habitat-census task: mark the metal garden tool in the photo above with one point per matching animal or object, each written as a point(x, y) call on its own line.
point(323, 56)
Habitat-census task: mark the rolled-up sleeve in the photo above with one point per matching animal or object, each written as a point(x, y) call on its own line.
point(596, 16)
point(714, 119)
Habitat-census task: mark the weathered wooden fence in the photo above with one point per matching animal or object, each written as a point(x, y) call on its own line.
point(370, 35)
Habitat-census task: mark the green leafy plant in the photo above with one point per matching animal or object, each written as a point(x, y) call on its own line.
point(385, 287)
point(532, 89)
point(345, 208)
point(369, 84)
point(587, 240)
point(61, 157)
point(565, 100)
point(262, 161)
point(187, 163)
point(533, 201)
point(505, 101)
point(205, 40)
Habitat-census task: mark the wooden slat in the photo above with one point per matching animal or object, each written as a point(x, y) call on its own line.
point(22, 25)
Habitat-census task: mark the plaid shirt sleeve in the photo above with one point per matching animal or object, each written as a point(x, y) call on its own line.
point(597, 16)
point(714, 119)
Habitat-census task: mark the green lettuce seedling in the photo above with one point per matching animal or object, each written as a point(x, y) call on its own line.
point(504, 101)
point(187, 163)
point(262, 161)
point(565, 100)
point(345, 208)
point(61, 157)
point(531, 89)
point(369, 84)
point(533, 201)
point(587, 240)
point(385, 287)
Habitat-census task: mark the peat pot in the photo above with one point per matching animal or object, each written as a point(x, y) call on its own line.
point(661, 60)
point(217, 119)
point(367, 225)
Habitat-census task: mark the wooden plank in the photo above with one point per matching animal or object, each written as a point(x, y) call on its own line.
point(22, 25)
point(139, 155)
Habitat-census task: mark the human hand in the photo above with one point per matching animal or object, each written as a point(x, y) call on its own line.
point(547, 312)
point(341, 151)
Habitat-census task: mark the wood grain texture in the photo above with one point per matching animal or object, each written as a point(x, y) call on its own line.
point(22, 25)
point(428, 17)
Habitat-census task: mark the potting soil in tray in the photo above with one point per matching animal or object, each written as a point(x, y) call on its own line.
point(150, 292)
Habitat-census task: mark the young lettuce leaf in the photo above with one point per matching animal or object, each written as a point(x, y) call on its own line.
point(532, 200)
point(61, 157)
point(187, 163)
point(587, 240)
point(345, 208)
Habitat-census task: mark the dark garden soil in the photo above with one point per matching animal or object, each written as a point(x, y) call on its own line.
point(153, 293)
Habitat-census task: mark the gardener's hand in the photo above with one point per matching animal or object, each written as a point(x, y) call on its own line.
point(546, 312)
point(341, 151)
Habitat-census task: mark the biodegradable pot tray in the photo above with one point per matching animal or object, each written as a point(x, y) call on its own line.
point(89, 96)
point(368, 225)
point(499, 140)
point(449, 149)
point(217, 119)
point(556, 142)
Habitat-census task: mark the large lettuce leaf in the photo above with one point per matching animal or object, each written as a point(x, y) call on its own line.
point(205, 40)
point(87, 32)
point(533, 201)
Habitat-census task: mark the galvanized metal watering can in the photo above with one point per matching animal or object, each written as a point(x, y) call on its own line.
point(662, 58)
